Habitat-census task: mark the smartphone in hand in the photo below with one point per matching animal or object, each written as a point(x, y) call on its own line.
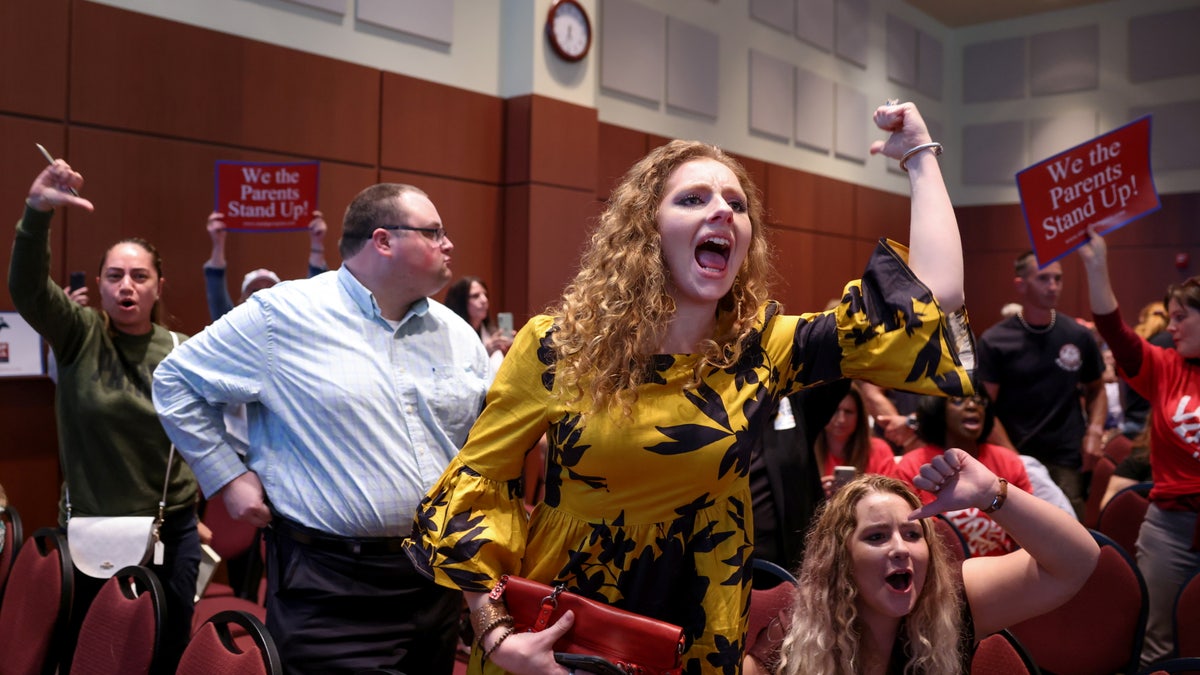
point(504, 321)
point(843, 475)
point(78, 281)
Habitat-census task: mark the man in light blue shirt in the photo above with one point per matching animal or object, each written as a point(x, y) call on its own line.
point(359, 390)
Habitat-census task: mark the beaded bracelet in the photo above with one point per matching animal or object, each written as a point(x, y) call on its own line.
point(999, 499)
point(935, 146)
point(498, 621)
point(488, 652)
point(487, 617)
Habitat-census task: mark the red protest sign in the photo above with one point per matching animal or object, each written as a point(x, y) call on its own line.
point(263, 197)
point(1105, 181)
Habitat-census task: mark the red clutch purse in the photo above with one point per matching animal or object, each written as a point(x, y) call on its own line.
point(632, 642)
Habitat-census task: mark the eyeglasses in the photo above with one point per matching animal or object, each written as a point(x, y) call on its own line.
point(960, 401)
point(433, 234)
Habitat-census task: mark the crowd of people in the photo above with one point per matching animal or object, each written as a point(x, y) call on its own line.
point(397, 489)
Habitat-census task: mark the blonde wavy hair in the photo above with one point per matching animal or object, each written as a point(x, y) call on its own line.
point(824, 635)
point(614, 314)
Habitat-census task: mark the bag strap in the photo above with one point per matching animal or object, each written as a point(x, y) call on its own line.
point(162, 503)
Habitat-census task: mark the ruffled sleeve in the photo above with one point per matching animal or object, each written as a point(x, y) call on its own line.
point(888, 329)
point(471, 527)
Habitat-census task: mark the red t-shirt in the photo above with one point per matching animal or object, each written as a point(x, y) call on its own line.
point(984, 536)
point(1172, 385)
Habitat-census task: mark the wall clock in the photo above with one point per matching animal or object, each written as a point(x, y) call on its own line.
point(569, 30)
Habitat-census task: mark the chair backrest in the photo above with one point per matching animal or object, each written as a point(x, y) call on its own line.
point(210, 606)
point(123, 627)
point(1100, 630)
point(771, 593)
point(954, 540)
point(767, 574)
point(215, 650)
point(13, 536)
point(1101, 473)
point(37, 605)
point(1121, 518)
point(1118, 448)
point(1002, 654)
point(1187, 618)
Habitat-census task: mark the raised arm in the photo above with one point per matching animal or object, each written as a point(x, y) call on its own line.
point(43, 303)
point(935, 250)
point(216, 290)
point(316, 244)
point(1057, 554)
point(1094, 255)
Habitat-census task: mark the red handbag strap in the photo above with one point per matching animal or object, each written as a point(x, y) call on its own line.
point(549, 603)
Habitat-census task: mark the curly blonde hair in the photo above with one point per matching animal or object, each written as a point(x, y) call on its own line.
point(824, 634)
point(614, 314)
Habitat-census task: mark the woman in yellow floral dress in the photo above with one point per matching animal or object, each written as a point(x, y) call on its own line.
point(651, 379)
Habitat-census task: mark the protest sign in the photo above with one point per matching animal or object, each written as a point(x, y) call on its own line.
point(266, 197)
point(1105, 181)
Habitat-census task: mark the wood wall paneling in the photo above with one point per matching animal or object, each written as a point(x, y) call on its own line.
point(991, 228)
point(793, 284)
point(560, 221)
point(440, 130)
point(988, 286)
point(518, 130)
point(788, 193)
point(832, 210)
point(836, 260)
point(132, 71)
point(619, 149)
point(563, 144)
point(33, 47)
point(880, 214)
point(517, 251)
point(472, 214)
point(29, 454)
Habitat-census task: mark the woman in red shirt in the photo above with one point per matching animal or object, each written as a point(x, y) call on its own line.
point(1168, 545)
point(964, 422)
point(846, 440)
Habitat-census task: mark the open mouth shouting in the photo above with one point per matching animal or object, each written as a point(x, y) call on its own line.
point(900, 580)
point(712, 255)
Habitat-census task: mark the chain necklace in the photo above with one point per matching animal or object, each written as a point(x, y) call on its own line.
point(1038, 331)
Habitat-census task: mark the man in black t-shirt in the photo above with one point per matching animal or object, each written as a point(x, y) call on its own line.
point(1044, 371)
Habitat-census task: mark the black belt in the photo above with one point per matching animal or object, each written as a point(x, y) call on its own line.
point(332, 543)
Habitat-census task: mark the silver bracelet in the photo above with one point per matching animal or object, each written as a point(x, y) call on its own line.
point(935, 146)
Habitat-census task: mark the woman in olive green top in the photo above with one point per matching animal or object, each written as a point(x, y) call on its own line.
point(112, 448)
